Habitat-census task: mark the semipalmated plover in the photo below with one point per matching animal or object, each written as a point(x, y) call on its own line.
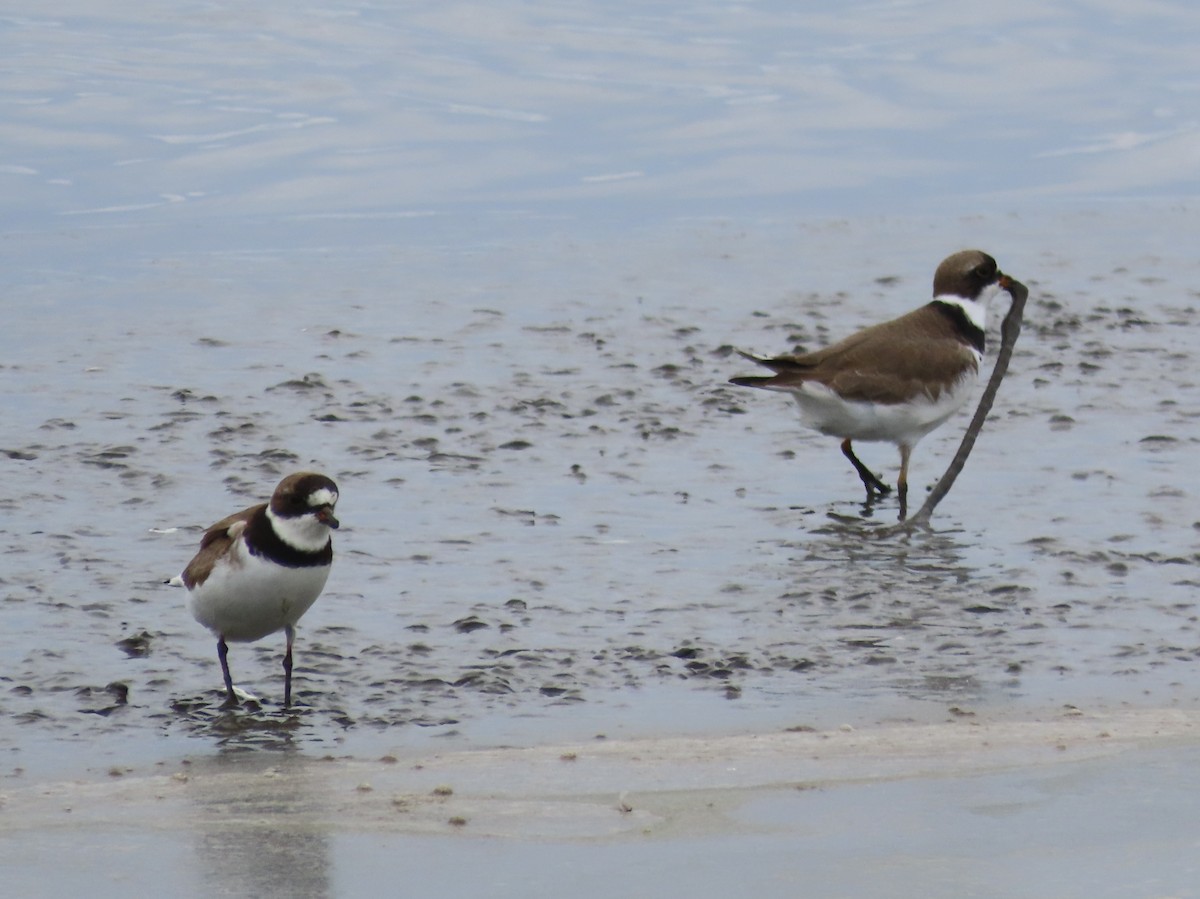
point(898, 380)
point(259, 570)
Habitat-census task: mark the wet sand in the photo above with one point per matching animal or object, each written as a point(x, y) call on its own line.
point(980, 808)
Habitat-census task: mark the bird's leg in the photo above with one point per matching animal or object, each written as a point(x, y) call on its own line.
point(287, 667)
point(902, 481)
point(869, 480)
point(231, 700)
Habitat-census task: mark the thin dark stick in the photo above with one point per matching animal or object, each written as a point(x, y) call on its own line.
point(1009, 330)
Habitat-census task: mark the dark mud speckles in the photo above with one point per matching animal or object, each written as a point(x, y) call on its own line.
point(1061, 422)
point(1154, 441)
point(136, 645)
point(558, 501)
point(469, 624)
point(103, 701)
point(309, 382)
point(109, 457)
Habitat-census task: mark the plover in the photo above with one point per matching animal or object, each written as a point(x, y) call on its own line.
point(898, 380)
point(259, 570)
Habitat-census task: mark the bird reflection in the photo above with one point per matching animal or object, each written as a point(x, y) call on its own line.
point(256, 834)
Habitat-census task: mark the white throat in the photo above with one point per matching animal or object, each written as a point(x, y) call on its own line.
point(305, 533)
point(975, 310)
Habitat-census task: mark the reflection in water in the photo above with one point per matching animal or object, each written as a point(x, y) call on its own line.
point(249, 726)
point(255, 830)
point(905, 611)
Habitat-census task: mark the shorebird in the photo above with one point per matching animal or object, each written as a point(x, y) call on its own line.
point(259, 570)
point(898, 380)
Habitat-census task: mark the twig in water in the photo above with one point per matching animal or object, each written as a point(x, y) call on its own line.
point(1009, 329)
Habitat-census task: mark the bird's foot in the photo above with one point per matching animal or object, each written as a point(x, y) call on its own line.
point(875, 487)
point(870, 481)
point(235, 698)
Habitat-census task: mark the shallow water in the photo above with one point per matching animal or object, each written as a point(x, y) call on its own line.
point(557, 515)
point(486, 268)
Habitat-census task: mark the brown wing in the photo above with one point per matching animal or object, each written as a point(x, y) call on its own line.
point(216, 542)
point(881, 363)
point(805, 365)
point(925, 367)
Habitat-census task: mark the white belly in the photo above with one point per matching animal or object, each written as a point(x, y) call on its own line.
point(252, 598)
point(901, 423)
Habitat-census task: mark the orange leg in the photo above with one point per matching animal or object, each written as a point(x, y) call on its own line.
point(902, 481)
point(287, 667)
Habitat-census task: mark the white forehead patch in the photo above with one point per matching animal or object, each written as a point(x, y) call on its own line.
point(323, 497)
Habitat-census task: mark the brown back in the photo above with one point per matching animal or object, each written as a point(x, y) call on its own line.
point(216, 542)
